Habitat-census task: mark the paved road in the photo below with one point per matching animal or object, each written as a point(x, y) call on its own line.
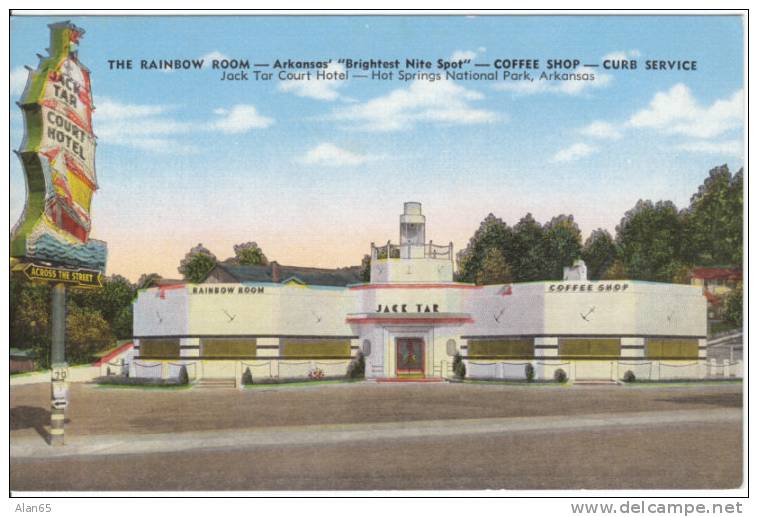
point(96, 410)
point(493, 437)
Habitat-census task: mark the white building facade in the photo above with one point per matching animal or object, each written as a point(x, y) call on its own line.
point(411, 319)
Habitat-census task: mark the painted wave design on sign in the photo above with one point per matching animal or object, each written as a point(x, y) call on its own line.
point(46, 247)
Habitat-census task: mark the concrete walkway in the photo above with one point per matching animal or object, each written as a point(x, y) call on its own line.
point(236, 439)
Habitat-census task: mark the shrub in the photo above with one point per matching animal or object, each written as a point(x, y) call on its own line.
point(117, 380)
point(247, 377)
point(183, 377)
point(560, 376)
point(357, 367)
point(529, 372)
point(316, 374)
point(629, 376)
point(459, 368)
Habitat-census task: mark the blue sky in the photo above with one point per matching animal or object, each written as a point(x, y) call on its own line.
point(316, 171)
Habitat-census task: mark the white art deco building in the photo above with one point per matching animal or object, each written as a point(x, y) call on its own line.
point(412, 318)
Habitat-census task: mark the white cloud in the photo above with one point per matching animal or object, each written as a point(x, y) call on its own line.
point(574, 152)
point(619, 55)
point(330, 155)
point(149, 127)
point(210, 56)
point(728, 147)
point(18, 80)
point(111, 109)
point(602, 130)
point(463, 54)
point(441, 102)
point(676, 111)
point(240, 119)
point(321, 89)
point(139, 126)
point(567, 87)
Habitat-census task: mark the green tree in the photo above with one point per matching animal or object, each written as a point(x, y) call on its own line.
point(616, 271)
point(116, 294)
point(714, 220)
point(87, 333)
point(526, 255)
point(733, 309)
point(562, 244)
point(249, 254)
point(149, 280)
point(197, 264)
point(113, 300)
point(649, 240)
point(366, 268)
point(30, 317)
point(123, 324)
point(598, 253)
point(494, 269)
point(492, 234)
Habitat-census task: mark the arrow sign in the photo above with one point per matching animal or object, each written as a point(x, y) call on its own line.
point(78, 277)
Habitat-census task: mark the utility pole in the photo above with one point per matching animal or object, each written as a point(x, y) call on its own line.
point(59, 367)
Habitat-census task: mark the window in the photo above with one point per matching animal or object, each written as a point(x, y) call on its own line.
point(314, 348)
point(501, 348)
point(159, 348)
point(228, 347)
point(671, 348)
point(590, 347)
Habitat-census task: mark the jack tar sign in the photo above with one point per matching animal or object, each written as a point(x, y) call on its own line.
point(78, 277)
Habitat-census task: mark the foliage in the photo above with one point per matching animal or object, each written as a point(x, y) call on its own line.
point(494, 269)
point(459, 367)
point(113, 301)
point(617, 271)
point(527, 250)
point(560, 376)
point(366, 268)
point(733, 310)
point(87, 333)
point(148, 382)
point(122, 325)
point(357, 367)
point(717, 327)
point(249, 254)
point(197, 263)
point(247, 377)
point(149, 280)
point(183, 376)
point(649, 239)
point(316, 374)
point(492, 233)
point(599, 254)
point(29, 318)
point(629, 376)
point(654, 241)
point(529, 372)
point(562, 245)
point(714, 220)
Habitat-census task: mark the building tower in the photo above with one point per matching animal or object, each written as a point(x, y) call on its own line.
point(412, 260)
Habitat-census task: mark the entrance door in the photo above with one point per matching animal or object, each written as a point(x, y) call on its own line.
point(410, 356)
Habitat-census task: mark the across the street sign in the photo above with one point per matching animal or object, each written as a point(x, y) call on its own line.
point(79, 277)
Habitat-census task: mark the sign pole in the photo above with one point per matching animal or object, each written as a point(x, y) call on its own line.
point(59, 367)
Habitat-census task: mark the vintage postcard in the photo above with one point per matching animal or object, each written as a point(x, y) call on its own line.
point(370, 252)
